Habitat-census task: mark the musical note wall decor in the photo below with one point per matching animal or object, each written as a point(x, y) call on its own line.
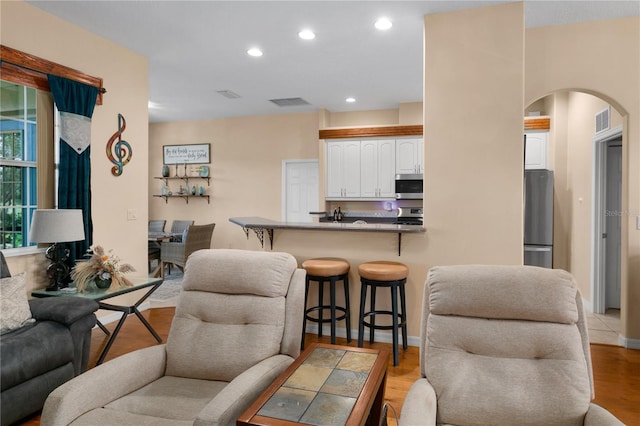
point(119, 153)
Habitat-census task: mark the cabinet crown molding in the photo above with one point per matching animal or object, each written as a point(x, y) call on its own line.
point(366, 132)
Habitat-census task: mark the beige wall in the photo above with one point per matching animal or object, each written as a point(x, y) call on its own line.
point(473, 133)
point(246, 169)
point(125, 76)
point(601, 58)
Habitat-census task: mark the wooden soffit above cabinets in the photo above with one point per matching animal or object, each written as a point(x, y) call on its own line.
point(537, 123)
point(530, 123)
point(369, 132)
point(22, 68)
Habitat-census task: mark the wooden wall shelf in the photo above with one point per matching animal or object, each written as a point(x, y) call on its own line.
point(185, 196)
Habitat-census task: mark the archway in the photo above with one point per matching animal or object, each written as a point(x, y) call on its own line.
point(576, 155)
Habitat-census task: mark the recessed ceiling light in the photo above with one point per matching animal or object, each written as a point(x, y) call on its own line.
point(383, 24)
point(350, 100)
point(306, 35)
point(254, 51)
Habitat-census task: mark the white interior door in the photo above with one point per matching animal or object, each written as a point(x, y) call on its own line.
point(613, 214)
point(300, 190)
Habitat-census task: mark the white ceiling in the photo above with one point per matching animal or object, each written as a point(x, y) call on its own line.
point(197, 48)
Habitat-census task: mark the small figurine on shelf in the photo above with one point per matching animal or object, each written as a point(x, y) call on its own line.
point(164, 189)
point(193, 190)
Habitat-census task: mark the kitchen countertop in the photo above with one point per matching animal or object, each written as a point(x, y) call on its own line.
point(260, 224)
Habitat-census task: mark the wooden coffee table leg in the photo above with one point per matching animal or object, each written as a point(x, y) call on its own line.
point(376, 409)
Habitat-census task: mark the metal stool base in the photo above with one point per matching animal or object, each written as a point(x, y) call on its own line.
point(333, 317)
point(398, 316)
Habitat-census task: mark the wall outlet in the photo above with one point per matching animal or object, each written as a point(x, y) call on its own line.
point(132, 214)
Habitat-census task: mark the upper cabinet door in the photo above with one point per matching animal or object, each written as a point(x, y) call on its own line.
point(351, 164)
point(334, 174)
point(409, 156)
point(369, 168)
point(386, 168)
point(377, 162)
point(536, 150)
point(343, 169)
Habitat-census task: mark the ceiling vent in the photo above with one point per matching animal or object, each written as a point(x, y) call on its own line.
point(288, 102)
point(228, 94)
point(603, 121)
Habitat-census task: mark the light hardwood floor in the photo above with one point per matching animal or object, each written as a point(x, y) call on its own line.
point(616, 370)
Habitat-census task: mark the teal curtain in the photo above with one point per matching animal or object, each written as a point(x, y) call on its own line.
point(76, 102)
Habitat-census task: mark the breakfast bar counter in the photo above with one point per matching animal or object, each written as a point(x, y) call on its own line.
point(261, 225)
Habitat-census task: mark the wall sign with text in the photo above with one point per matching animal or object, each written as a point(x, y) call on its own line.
point(186, 154)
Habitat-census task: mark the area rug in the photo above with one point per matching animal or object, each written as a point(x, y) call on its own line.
point(167, 294)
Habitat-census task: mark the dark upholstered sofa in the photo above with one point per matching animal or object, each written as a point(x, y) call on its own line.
point(42, 355)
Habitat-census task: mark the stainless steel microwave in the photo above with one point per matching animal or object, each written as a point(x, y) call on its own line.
point(409, 186)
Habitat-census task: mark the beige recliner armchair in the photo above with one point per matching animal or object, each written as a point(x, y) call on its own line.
point(503, 345)
point(237, 326)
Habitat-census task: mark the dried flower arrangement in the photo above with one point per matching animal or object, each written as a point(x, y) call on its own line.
point(101, 266)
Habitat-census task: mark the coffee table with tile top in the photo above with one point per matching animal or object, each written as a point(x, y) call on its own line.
point(326, 385)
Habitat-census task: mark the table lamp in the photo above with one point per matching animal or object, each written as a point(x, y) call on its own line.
point(57, 226)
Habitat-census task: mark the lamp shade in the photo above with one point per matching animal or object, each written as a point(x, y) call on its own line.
point(56, 226)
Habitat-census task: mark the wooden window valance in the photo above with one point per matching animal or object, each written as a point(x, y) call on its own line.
point(28, 70)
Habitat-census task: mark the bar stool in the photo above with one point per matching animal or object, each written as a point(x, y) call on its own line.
point(388, 274)
point(331, 270)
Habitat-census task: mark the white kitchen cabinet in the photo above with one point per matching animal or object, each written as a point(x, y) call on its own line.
point(409, 156)
point(377, 164)
point(343, 169)
point(536, 155)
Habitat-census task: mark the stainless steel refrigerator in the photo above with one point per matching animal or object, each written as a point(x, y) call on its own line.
point(538, 218)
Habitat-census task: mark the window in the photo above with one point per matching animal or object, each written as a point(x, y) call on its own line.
point(18, 167)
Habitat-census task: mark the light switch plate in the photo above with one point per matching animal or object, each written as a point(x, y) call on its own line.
point(638, 222)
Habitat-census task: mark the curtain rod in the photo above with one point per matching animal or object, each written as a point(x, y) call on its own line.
point(100, 89)
point(22, 67)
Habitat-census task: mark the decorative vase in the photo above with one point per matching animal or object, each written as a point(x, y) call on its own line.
point(193, 190)
point(102, 283)
point(201, 191)
point(165, 171)
point(204, 171)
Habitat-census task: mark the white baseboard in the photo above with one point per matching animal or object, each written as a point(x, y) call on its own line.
point(115, 316)
point(629, 343)
point(380, 336)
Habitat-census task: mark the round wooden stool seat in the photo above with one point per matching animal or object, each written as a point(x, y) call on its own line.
point(383, 270)
point(326, 266)
point(383, 274)
point(328, 270)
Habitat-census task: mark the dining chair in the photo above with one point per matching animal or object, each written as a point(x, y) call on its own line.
point(157, 225)
point(153, 250)
point(198, 237)
point(178, 227)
